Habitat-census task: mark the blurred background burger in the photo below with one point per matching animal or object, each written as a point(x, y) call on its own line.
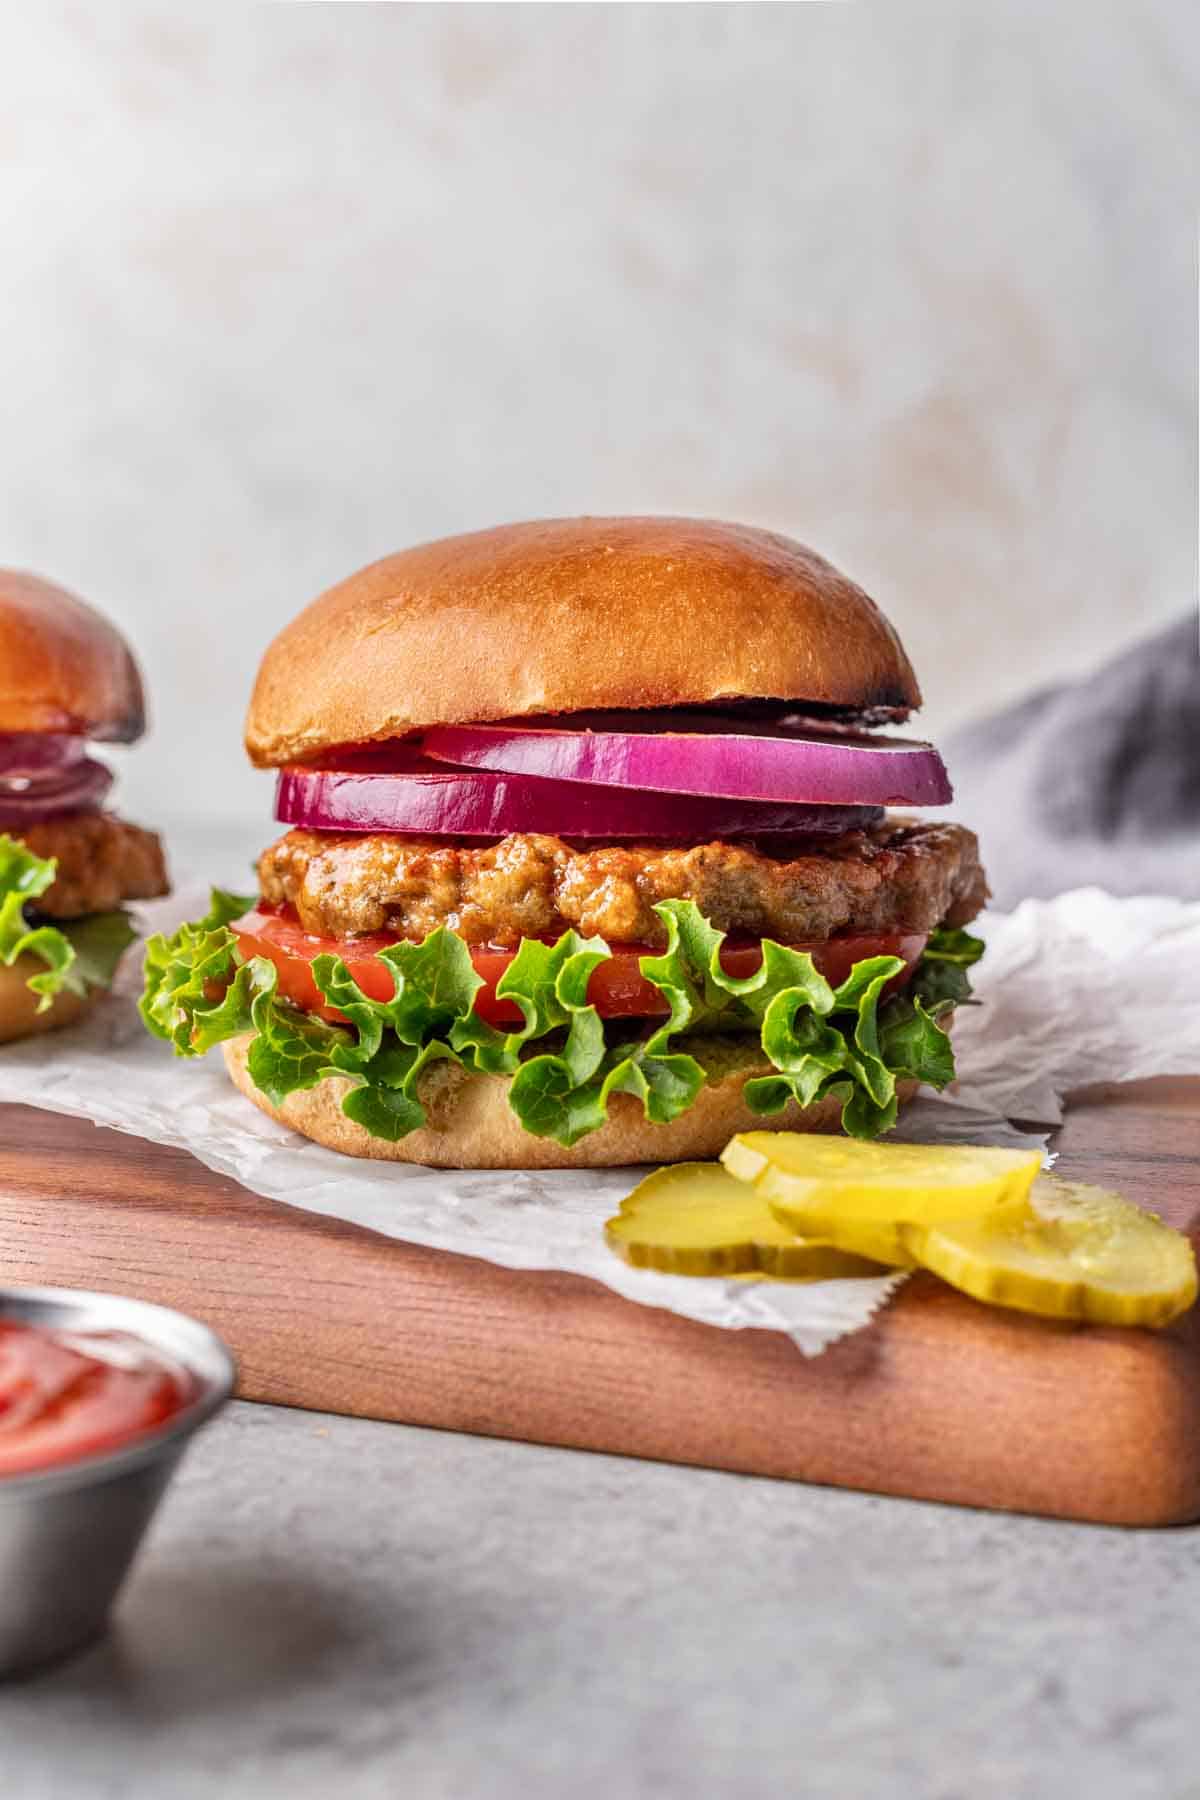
point(68, 866)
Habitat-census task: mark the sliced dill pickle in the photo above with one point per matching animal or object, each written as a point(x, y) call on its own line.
point(1080, 1253)
point(694, 1219)
point(859, 1195)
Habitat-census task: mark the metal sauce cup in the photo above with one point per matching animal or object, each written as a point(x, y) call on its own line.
point(68, 1533)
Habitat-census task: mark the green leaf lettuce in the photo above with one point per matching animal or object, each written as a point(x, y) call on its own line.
point(803, 1039)
point(78, 954)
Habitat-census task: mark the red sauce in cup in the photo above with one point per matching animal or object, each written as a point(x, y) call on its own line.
point(66, 1395)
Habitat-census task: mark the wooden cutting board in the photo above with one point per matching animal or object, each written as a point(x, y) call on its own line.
point(939, 1399)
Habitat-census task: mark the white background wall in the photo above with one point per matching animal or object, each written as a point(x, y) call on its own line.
point(287, 287)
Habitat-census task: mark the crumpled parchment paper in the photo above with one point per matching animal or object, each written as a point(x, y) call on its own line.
point(1080, 989)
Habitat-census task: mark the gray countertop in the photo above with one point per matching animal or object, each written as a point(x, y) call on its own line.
point(332, 1607)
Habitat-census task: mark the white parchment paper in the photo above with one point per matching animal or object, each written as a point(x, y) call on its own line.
point(1079, 989)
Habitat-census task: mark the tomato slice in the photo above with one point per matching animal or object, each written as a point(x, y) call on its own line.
point(617, 989)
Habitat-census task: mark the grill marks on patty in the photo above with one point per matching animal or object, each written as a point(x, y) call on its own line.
point(102, 863)
point(901, 876)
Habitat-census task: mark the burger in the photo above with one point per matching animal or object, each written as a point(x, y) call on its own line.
point(67, 866)
point(588, 858)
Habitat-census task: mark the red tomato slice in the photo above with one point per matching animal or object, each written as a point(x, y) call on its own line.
point(617, 990)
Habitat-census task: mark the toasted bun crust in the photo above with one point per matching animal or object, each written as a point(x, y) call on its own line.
point(480, 1130)
point(63, 666)
point(19, 1015)
point(571, 615)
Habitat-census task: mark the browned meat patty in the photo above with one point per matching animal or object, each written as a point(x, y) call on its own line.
point(901, 876)
point(102, 862)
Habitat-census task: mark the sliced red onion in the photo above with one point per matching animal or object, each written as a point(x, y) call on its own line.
point(771, 764)
point(25, 799)
point(37, 753)
point(398, 790)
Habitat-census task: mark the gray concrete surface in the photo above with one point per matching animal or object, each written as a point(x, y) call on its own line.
point(335, 1608)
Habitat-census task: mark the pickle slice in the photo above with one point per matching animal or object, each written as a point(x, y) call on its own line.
point(695, 1219)
point(858, 1195)
point(1081, 1253)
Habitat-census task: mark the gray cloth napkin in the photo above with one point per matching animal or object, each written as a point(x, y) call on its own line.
point(1096, 782)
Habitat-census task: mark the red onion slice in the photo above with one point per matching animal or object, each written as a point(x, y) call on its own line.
point(397, 790)
point(24, 800)
point(37, 753)
point(774, 765)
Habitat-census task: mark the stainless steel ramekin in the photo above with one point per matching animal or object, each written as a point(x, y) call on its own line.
point(69, 1533)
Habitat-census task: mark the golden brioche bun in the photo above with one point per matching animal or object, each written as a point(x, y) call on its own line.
point(479, 1130)
point(19, 1015)
point(572, 615)
point(63, 666)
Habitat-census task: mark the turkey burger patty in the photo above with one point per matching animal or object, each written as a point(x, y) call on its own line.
point(101, 863)
point(903, 876)
point(68, 681)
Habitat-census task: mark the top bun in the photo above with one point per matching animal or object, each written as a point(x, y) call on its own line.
point(573, 615)
point(63, 667)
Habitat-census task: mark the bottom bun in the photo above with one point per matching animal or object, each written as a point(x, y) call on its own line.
point(479, 1130)
point(19, 1015)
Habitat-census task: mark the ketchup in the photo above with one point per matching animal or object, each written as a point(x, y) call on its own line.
point(66, 1395)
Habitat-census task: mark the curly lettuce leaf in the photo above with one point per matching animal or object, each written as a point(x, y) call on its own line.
point(78, 954)
point(384, 1098)
point(941, 981)
point(566, 1095)
point(436, 984)
point(548, 985)
point(193, 994)
point(824, 1042)
point(200, 992)
point(99, 941)
point(563, 1063)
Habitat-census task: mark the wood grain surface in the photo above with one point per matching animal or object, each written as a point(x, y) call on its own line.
point(941, 1398)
